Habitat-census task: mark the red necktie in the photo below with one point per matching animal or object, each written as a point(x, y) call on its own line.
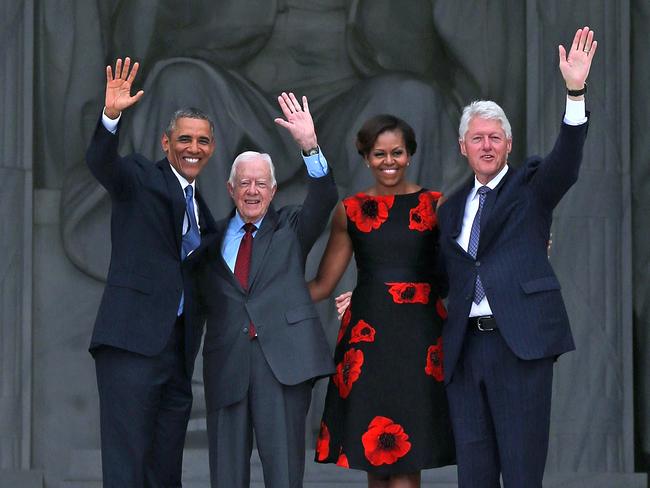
point(243, 263)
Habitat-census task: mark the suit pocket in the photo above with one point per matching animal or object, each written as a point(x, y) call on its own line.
point(300, 313)
point(546, 283)
point(132, 281)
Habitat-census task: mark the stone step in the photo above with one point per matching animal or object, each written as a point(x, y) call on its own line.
point(21, 479)
point(260, 484)
point(85, 472)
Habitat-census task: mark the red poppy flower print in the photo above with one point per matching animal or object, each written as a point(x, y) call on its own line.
point(435, 358)
point(385, 441)
point(440, 308)
point(362, 332)
point(368, 212)
point(342, 461)
point(423, 217)
point(409, 292)
point(348, 371)
point(323, 443)
point(345, 321)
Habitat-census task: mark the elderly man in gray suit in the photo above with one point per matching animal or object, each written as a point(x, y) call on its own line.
point(264, 343)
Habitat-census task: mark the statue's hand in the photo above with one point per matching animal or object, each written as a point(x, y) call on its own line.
point(118, 88)
point(298, 121)
point(576, 64)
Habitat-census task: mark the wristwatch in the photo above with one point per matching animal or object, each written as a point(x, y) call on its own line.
point(577, 93)
point(311, 152)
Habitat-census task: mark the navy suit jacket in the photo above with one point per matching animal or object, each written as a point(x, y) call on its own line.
point(277, 300)
point(522, 289)
point(145, 278)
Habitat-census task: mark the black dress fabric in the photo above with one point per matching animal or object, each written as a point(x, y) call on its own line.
point(386, 409)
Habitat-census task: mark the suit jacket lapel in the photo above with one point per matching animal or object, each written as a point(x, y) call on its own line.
point(261, 243)
point(494, 212)
point(456, 213)
point(205, 219)
point(176, 198)
point(459, 210)
point(211, 245)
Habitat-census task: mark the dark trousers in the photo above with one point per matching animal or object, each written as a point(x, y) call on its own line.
point(276, 413)
point(500, 410)
point(145, 405)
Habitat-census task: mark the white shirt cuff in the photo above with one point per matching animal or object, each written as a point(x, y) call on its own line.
point(110, 124)
point(575, 113)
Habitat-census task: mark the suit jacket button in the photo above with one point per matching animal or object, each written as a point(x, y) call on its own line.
point(245, 330)
point(477, 264)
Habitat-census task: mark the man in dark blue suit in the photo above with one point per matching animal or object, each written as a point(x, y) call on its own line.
point(507, 321)
point(143, 347)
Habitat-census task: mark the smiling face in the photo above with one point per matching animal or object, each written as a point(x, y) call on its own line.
point(486, 148)
point(189, 146)
point(252, 188)
point(388, 159)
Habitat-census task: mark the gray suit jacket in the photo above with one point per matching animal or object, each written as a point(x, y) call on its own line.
point(277, 301)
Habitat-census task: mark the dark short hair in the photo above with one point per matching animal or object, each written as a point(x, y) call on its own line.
point(188, 113)
point(374, 126)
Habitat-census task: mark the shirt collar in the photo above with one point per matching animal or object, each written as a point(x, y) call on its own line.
point(236, 223)
point(492, 184)
point(183, 182)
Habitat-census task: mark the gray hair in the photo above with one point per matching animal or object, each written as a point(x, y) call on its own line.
point(188, 113)
point(251, 156)
point(483, 109)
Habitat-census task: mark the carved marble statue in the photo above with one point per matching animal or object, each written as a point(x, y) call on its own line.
point(352, 59)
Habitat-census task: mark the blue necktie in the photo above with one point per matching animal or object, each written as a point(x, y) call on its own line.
point(474, 235)
point(192, 237)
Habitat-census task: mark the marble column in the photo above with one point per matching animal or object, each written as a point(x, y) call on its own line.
point(16, 107)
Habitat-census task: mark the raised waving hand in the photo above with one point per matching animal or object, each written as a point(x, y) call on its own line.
point(575, 64)
point(297, 120)
point(118, 87)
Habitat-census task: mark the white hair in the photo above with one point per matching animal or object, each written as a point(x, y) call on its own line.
point(250, 156)
point(484, 109)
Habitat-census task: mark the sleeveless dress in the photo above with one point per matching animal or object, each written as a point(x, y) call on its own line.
point(386, 409)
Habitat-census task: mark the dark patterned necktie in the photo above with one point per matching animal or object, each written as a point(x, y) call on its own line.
point(474, 235)
point(192, 237)
point(243, 263)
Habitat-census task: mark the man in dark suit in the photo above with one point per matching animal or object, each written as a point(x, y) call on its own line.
point(144, 350)
point(507, 321)
point(264, 343)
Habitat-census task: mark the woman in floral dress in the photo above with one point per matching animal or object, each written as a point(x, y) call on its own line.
point(386, 410)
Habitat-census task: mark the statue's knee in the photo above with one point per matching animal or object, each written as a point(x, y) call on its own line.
point(400, 84)
point(181, 72)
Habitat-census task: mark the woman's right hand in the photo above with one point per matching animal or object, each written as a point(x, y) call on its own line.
point(342, 303)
